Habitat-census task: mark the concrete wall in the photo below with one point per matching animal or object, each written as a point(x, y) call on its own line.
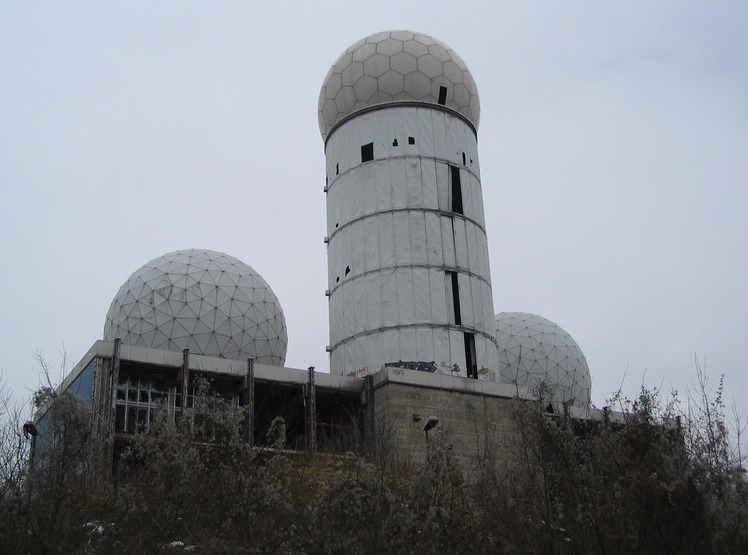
point(477, 424)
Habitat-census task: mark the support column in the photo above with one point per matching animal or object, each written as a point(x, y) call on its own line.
point(249, 402)
point(114, 379)
point(370, 436)
point(184, 379)
point(312, 408)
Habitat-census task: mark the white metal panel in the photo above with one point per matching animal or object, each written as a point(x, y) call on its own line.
point(439, 122)
point(389, 298)
point(407, 344)
point(413, 183)
point(442, 351)
point(361, 316)
point(397, 178)
point(467, 183)
point(417, 232)
point(405, 296)
point(474, 234)
point(457, 349)
point(380, 137)
point(383, 190)
point(369, 194)
point(391, 344)
point(395, 131)
point(433, 239)
point(466, 300)
point(488, 308)
point(476, 300)
point(428, 177)
point(448, 241)
point(460, 238)
point(402, 231)
point(350, 144)
point(425, 344)
point(442, 185)
point(425, 132)
point(438, 296)
point(371, 244)
point(422, 295)
point(358, 251)
point(386, 233)
point(410, 127)
point(374, 301)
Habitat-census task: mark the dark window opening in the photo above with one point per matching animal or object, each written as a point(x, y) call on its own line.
point(463, 158)
point(367, 152)
point(470, 359)
point(456, 190)
point(347, 270)
point(442, 95)
point(411, 140)
point(337, 169)
point(394, 143)
point(336, 225)
point(455, 285)
point(337, 279)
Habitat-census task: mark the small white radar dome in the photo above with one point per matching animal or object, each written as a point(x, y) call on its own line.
point(396, 66)
point(201, 300)
point(538, 353)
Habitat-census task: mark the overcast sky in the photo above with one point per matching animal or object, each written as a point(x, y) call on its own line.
point(613, 143)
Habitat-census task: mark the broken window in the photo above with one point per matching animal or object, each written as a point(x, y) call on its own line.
point(470, 360)
point(394, 143)
point(442, 95)
point(453, 298)
point(367, 152)
point(454, 173)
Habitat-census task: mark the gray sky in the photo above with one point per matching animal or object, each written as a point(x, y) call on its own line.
point(613, 144)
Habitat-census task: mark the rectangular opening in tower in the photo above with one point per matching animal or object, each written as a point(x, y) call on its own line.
point(454, 173)
point(367, 152)
point(453, 298)
point(470, 358)
point(442, 95)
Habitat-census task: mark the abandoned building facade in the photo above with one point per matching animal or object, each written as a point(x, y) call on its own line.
point(415, 346)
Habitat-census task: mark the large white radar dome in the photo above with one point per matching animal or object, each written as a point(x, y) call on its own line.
point(396, 66)
point(201, 300)
point(535, 352)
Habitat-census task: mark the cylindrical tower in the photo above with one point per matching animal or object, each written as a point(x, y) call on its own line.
point(408, 270)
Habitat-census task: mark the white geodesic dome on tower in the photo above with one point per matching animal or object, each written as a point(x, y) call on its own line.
point(535, 352)
point(201, 300)
point(396, 66)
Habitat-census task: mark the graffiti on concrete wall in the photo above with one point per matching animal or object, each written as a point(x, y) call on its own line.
point(431, 367)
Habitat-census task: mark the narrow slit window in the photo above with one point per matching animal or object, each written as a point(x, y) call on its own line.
point(442, 95)
point(456, 190)
point(463, 158)
point(470, 358)
point(453, 298)
point(367, 152)
point(337, 169)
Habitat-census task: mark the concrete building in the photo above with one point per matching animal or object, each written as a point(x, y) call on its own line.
point(413, 348)
point(408, 269)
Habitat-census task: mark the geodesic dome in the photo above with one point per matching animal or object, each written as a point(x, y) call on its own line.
point(396, 66)
point(201, 300)
point(534, 351)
